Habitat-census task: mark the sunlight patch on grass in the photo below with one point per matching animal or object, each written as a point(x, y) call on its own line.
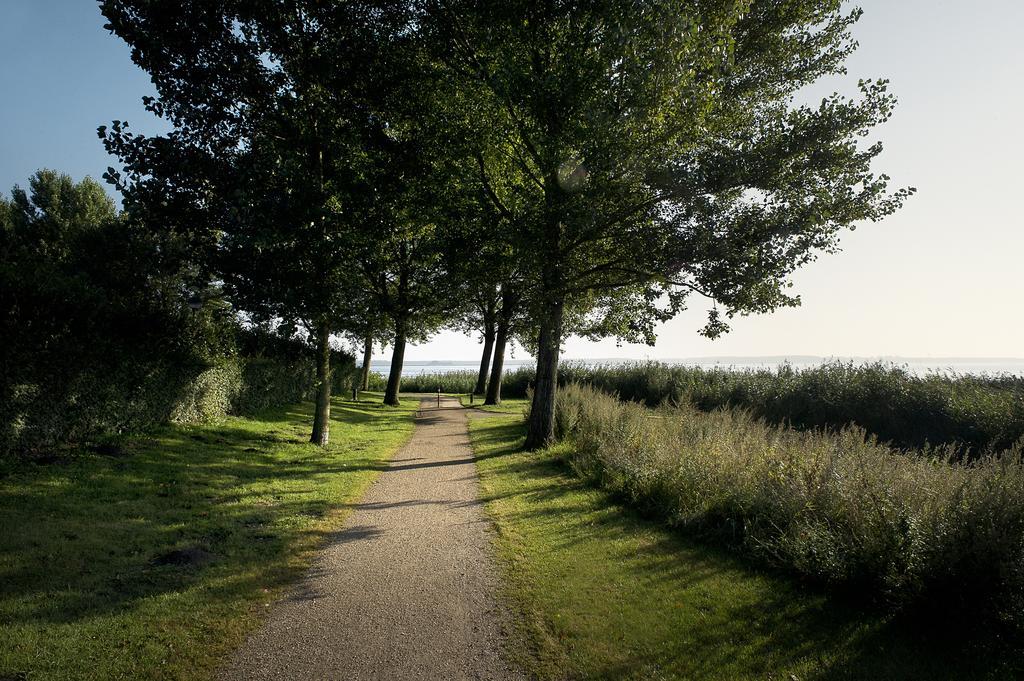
point(602, 593)
point(512, 405)
point(155, 562)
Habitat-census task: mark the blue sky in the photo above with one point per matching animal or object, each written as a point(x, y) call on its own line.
point(941, 278)
point(62, 76)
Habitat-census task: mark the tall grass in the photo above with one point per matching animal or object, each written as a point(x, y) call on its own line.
point(973, 413)
point(837, 507)
point(453, 382)
point(514, 383)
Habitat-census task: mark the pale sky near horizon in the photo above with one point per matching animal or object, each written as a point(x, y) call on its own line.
point(942, 278)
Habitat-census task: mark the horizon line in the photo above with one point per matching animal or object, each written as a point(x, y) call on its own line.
point(930, 358)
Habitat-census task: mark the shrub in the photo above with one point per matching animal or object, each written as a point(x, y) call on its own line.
point(209, 395)
point(97, 335)
point(135, 396)
point(277, 371)
point(837, 507)
point(452, 382)
point(99, 339)
point(63, 403)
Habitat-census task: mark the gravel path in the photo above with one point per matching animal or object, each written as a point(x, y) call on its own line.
point(406, 590)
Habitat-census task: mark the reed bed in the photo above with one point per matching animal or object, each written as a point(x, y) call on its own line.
point(973, 414)
point(837, 507)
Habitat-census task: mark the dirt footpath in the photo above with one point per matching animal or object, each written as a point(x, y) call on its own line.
point(406, 590)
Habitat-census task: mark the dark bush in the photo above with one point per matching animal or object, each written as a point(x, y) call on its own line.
point(99, 337)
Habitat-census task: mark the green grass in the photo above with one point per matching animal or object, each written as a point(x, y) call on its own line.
point(154, 561)
point(602, 593)
point(513, 405)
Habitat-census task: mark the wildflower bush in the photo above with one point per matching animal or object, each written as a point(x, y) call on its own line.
point(836, 507)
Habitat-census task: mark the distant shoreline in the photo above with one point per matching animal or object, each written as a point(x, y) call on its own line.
point(742, 359)
point(918, 365)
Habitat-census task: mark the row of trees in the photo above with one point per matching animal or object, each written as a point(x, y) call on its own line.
point(531, 170)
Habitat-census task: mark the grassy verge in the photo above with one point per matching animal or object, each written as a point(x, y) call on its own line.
point(604, 593)
point(508, 406)
point(154, 559)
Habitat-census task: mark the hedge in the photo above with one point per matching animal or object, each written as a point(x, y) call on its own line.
point(131, 397)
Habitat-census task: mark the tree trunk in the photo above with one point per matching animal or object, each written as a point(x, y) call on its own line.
point(509, 302)
point(322, 416)
point(364, 378)
point(395, 377)
point(541, 427)
point(485, 359)
point(494, 385)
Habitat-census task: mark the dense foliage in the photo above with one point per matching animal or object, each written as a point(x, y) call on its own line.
point(95, 401)
point(281, 166)
point(89, 319)
point(639, 153)
point(99, 334)
point(909, 411)
point(599, 162)
point(837, 507)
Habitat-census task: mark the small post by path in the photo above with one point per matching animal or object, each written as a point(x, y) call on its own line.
point(471, 399)
point(438, 397)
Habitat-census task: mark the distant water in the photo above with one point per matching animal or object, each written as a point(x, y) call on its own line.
point(438, 367)
point(916, 365)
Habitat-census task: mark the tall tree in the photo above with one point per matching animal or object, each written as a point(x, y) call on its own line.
point(483, 256)
point(656, 150)
point(364, 369)
point(365, 331)
point(404, 257)
point(485, 319)
point(404, 270)
point(508, 313)
point(268, 104)
point(479, 315)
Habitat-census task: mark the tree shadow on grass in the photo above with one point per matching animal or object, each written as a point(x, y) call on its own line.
point(704, 611)
point(221, 505)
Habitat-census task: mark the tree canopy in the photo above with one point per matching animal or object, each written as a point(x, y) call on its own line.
point(273, 111)
point(596, 162)
point(657, 151)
